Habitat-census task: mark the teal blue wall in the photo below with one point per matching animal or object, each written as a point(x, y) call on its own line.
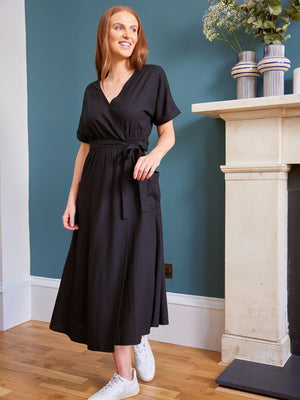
point(60, 56)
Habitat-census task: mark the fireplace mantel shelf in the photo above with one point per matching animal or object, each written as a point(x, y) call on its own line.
point(287, 105)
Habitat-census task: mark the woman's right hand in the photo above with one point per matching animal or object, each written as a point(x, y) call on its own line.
point(68, 218)
point(69, 214)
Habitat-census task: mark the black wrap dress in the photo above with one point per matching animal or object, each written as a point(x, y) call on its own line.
point(112, 288)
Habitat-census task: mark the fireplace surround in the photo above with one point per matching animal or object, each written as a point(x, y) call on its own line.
point(262, 235)
point(262, 143)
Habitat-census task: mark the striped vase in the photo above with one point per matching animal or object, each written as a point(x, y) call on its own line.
point(245, 72)
point(273, 66)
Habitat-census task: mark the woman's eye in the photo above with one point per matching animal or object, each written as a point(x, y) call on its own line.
point(118, 27)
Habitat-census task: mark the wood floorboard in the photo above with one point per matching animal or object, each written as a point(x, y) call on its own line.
point(40, 364)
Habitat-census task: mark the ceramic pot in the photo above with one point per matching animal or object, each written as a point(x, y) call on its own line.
point(246, 73)
point(273, 66)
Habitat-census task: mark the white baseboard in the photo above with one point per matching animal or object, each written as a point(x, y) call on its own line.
point(194, 321)
point(15, 303)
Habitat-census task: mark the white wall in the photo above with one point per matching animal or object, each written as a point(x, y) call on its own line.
point(14, 215)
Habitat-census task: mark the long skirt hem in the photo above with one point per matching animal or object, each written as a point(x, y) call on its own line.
point(99, 347)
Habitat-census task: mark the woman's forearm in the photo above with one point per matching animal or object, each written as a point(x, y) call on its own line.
point(80, 159)
point(165, 141)
point(152, 160)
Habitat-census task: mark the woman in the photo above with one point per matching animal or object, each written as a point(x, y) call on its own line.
point(112, 288)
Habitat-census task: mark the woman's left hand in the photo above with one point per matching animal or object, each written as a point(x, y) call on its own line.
point(145, 166)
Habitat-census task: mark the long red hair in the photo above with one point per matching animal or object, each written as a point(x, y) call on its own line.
point(102, 56)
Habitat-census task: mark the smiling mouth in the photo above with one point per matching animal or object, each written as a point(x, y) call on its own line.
point(125, 45)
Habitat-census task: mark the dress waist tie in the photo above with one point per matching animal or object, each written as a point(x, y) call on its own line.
point(130, 154)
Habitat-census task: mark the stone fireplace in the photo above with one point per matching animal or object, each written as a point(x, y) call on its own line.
point(262, 144)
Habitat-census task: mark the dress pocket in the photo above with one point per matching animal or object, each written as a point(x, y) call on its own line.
point(153, 190)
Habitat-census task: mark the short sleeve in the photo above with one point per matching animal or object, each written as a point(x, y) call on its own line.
point(81, 130)
point(165, 107)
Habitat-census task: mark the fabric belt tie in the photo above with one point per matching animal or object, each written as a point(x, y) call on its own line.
point(130, 154)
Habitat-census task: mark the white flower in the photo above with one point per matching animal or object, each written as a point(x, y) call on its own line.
point(221, 21)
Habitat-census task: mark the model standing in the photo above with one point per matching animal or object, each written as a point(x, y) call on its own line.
point(112, 288)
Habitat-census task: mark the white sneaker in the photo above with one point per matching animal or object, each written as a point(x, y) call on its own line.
point(118, 388)
point(144, 360)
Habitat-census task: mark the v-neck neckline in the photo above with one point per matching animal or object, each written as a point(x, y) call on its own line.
point(119, 94)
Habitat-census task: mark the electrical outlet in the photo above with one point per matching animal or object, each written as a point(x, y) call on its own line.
point(168, 271)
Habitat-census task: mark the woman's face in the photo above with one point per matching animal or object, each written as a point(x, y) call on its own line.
point(122, 35)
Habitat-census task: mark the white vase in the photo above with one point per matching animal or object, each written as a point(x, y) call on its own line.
point(273, 66)
point(245, 72)
point(296, 80)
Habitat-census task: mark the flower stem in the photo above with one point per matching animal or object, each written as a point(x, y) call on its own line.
point(224, 39)
point(245, 39)
point(236, 39)
point(254, 43)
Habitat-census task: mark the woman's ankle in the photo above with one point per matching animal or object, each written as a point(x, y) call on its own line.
point(127, 375)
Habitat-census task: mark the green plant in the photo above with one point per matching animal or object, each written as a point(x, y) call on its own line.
point(269, 20)
point(223, 21)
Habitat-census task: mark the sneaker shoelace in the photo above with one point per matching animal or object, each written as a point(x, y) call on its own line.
point(115, 379)
point(141, 351)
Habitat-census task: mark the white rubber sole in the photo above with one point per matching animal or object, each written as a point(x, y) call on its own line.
point(133, 392)
point(147, 379)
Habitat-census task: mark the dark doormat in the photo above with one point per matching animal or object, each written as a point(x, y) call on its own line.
point(268, 380)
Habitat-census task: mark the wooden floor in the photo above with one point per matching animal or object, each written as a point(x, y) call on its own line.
point(37, 363)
